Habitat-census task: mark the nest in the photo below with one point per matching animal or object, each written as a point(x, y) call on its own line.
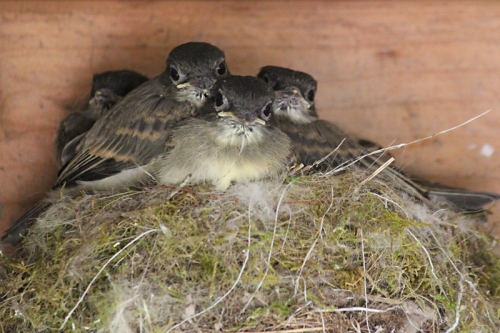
point(311, 253)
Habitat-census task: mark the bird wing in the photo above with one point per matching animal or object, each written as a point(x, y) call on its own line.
point(15, 234)
point(132, 133)
point(71, 126)
point(315, 140)
point(465, 200)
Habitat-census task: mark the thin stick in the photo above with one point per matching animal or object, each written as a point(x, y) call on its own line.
point(393, 202)
point(401, 145)
point(376, 172)
point(426, 253)
point(324, 158)
point(364, 279)
point(314, 244)
point(247, 256)
point(100, 271)
point(268, 262)
point(179, 187)
point(297, 330)
point(358, 308)
point(458, 306)
point(347, 164)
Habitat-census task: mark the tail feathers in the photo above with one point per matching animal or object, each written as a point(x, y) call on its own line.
point(16, 233)
point(468, 201)
point(464, 200)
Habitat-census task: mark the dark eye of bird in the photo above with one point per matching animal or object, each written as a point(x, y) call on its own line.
point(266, 112)
point(221, 69)
point(310, 95)
point(265, 78)
point(174, 74)
point(219, 100)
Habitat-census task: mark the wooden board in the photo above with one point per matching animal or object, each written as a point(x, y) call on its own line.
point(388, 71)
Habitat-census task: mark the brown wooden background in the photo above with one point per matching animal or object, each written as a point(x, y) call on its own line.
point(388, 71)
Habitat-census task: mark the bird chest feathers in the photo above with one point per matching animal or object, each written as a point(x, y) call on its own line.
point(225, 152)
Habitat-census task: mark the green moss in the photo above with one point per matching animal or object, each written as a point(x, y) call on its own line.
point(199, 250)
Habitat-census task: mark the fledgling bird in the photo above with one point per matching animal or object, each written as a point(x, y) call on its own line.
point(120, 147)
point(313, 139)
point(116, 151)
point(107, 89)
point(295, 114)
point(232, 141)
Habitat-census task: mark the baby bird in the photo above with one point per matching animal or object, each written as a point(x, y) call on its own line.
point(114, 153)
point(232, 141)
point(295, 114)
point(313, 139)
point(118, 150)
point(107, 89)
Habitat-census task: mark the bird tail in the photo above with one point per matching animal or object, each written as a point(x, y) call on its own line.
point(16, 233)
point(467, 201)
point(464, 200)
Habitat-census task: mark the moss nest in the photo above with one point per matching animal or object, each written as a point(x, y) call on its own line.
point(312, 253)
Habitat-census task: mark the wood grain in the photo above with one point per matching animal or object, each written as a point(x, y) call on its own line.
point(388, 71)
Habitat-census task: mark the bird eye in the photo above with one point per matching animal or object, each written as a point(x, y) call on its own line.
point(221, 69)
point(310, 95)
point(219, 99)
point(266, 112)
point(174, 74)
point(271, 82)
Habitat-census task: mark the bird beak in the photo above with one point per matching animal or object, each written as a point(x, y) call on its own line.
point(259, 121)
point(292, 97)
point(202, 83)
point(104, 96)
point(246, 118)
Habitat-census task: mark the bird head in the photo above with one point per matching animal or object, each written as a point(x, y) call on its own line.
point(119, 82)
point(193, 68)
point(295, 92)
point(244, 100)
point(109, 87)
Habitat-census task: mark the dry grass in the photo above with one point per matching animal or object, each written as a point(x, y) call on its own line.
point(311, 254)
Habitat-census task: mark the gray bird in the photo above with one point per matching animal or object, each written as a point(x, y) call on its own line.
point(107, 89)
point(231, 141)
point(120, 147)
point(313, 139)
point(116, 151)
point(295, 114)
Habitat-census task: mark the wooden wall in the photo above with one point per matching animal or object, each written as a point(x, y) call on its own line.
point(388, 71)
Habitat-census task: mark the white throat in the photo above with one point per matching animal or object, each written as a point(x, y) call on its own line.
point(298, 115)
point(192, 95)
point(232, 133)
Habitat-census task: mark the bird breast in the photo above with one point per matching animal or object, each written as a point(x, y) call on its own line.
point(219, 152)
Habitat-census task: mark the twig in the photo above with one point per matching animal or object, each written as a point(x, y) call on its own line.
point(314, 243)
point(393, 202)
point(376, 172)
point(179, 187)
point(322, 321)
point(100, 271)
point(364, 279)
point(297, 330)
point(347, 164)
point(426, 253)
point(358, 308)
point(268, 263)
point(247, 256)
point(458, 306)
point(309, 167)
point(401, 145)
